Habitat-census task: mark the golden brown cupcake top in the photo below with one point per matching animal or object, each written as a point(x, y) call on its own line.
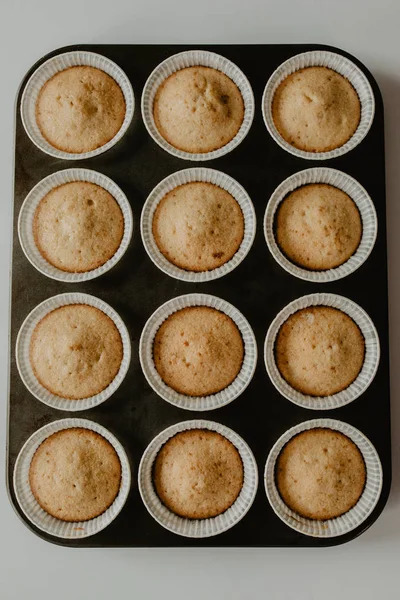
point(198, 109)
point(78, 226)
point(318, 227)
point(75, 474)
point(80, 109)
point(315, 109)
point(198, 226)
point(198, 474)
point(198, 351)
point(319, 350)
point(320, 474)
point(76, 351)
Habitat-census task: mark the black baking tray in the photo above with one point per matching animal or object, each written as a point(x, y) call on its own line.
point(259, 288)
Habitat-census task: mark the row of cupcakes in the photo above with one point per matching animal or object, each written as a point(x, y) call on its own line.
point(198, 224)
point(197, 351)
point(197, 105)
point(323, 478)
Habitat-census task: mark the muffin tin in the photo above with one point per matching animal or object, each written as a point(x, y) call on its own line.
point(258, 287)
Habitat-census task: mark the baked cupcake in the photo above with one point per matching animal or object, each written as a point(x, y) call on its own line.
point(319, 350)
point(198, 109)
point(78, 226)
point(316, 109)
point(198, 474)
point(320, 474)
point(75, 474)
point(80, 109)
point(318, 227)
point(76, 351)
point(198, 226)
point(198, 351)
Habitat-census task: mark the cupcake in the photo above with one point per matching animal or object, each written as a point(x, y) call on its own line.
point(80, 109)
point(78, 226)
point(198, 226)
point(198, 474)
point(320, 474)
point(75, 474)
point(75, 351)
point(316, 109)
point(198, 109)
point(198, 351)
point(319, 350)
point(318, 227)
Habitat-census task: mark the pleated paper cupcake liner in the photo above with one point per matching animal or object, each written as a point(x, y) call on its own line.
point(349, 520)
point(59, 63)
point(194, 58)
point(28, 503)
point(27, 214)
point(360, 197)
point(371, 360)
point(212, 401)
point(23, 346)
point(343, 66)
point(187, 176)
point(197, 528)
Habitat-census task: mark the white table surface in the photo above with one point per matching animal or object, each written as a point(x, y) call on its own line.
point(365, 568)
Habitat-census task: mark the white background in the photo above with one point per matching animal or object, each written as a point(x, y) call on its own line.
point(367, 567)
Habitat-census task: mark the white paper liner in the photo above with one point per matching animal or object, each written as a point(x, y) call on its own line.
point(180, 178)
point(24, 364)
point(356, 515)
point(341, 65)
point(361, 199)
point(193, 58)
point(197, 528)
point(364, 378)
point(27, 213)
point(59, 63)
point(33, 511)
point(202, 403)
